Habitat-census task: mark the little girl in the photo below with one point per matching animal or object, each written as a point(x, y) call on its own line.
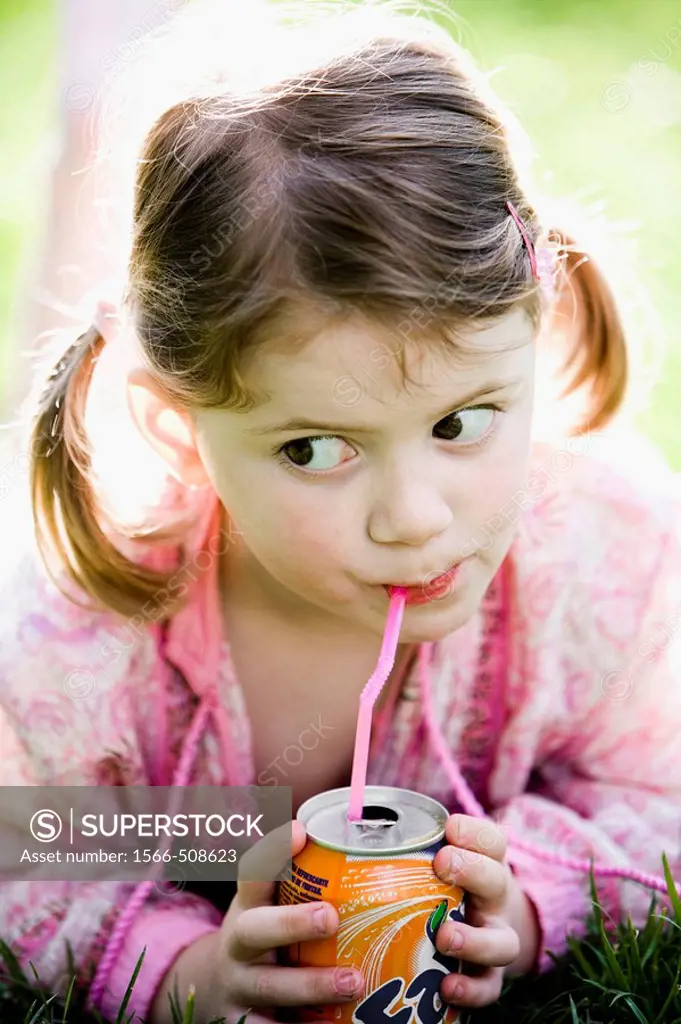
point(338, 290)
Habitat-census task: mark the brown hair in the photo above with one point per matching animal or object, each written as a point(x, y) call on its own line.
point(375, 183)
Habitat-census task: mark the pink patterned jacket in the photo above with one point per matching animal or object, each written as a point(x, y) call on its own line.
point(556, 710)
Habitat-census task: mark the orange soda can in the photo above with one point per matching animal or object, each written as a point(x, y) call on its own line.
point(378, 874)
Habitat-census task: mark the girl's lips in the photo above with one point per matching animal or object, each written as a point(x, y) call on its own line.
point(430, 590)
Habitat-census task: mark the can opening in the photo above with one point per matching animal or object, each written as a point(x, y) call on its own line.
point(375, 816)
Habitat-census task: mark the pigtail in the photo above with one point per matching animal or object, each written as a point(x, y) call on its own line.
point(66, 515)
point(598, 357)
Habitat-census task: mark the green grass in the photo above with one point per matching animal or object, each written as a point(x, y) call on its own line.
point(614, 975)
point(597, 85)
point(29, 123)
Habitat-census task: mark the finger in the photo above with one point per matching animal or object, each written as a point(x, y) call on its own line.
point(261, 928)
point(266, 861)
point(296, 986)
point(479, 836)
point(490, 947)
point(485, 878)
point(479, 990)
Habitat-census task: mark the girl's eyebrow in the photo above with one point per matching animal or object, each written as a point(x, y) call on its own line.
point(350, 428)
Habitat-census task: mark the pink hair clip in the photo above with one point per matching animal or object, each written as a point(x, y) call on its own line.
point(541, 258)
point(105, 319)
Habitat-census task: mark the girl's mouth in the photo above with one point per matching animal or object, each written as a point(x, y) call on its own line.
point(433, 588)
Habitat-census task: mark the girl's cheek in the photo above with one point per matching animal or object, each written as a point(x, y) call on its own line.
point(305, 527)
point(328, 546)
point(498, 478)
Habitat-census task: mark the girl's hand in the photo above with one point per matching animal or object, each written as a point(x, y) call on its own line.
point(501, 929)
point(235, 969)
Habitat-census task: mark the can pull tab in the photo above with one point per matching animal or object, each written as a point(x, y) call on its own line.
point(375, 818)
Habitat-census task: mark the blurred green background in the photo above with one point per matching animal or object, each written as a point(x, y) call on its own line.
point(596, 84)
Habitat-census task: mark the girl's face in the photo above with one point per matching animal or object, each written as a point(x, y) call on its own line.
point(349, 479)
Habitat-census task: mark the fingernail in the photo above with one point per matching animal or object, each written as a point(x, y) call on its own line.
point(454, 863)
point(320, 919)
point(347, 982)
point(458, 992)
point(456, 941)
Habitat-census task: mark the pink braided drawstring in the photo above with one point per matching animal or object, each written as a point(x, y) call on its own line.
point(471, 806)
point(463, 793)
point(162, 746)
point(141, 891)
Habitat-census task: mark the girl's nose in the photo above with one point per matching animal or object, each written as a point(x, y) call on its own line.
point(409, 512)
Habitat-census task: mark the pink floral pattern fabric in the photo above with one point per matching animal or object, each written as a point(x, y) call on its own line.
point(560, 701)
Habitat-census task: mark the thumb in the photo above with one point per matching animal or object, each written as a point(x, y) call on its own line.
point(267, 861)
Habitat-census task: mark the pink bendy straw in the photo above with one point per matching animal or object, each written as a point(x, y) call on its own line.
point(369, 696)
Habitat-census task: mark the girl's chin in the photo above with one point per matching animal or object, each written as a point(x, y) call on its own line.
point(432, 632)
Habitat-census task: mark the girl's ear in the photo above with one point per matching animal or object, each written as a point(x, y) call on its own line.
point(169, 431)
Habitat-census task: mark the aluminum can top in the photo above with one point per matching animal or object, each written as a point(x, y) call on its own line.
point(394, 821)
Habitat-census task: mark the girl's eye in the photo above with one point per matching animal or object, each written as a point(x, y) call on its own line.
point(313, 453)
point(468, 425)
